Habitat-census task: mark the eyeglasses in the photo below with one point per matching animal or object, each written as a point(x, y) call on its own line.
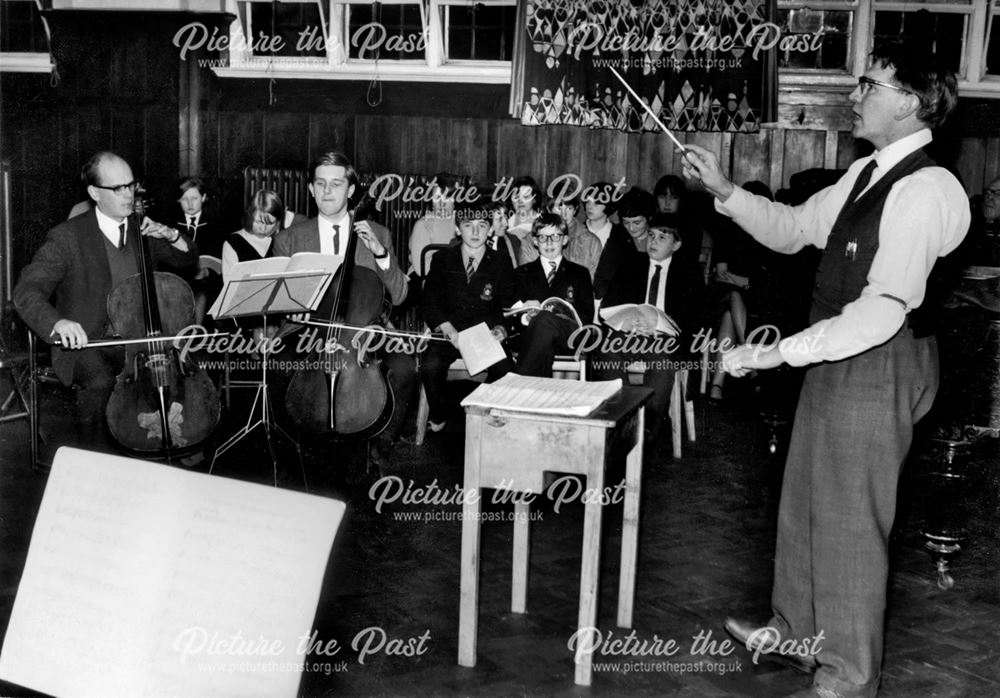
point(991, 193)
point(865, 84)
point(119, 189)
point(548, 238)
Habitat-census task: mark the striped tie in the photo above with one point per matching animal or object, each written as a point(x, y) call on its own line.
point(550, 277)
point(470, 268)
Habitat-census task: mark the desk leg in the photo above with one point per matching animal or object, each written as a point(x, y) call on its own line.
point(589, 577)
point(630, 526)
point(522, 545)
point(468, 610)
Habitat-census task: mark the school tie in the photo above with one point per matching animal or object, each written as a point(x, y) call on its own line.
point(470, 268)
point(863, 179)
point(121, 236)
point(336, 239)
point(654, 286)
point(550, 277)
point(192, 230)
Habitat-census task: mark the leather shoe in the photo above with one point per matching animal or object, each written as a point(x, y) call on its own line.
point(759, 638)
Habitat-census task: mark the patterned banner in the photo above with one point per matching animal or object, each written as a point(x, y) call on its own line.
point(702, 65)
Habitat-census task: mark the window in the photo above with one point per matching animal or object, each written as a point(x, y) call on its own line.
point(942, 25)
point(481, 31)
point(824, 33)
point(24, 46)
point(820, 43)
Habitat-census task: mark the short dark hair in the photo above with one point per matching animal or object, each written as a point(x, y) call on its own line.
point(334, 158)
point(922, 73)
point(264, 201)
point(604, 192)
point(192, 183)
point(526, 181)
point(669, 184)
point(89, 174)
point(668, 222)
point(637, 202)
point(479, 209)
point(549, 220)
point(446, 182)
point(573, 201)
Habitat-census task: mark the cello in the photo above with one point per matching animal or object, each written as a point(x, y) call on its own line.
point(347, 396)
point(162, 405)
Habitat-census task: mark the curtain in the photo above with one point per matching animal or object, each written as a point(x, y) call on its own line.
point(701, 65)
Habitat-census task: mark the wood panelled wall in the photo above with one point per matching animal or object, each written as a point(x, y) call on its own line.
point(124, 87)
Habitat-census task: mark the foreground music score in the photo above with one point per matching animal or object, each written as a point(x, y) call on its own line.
point(511, 447)
point(148, 580)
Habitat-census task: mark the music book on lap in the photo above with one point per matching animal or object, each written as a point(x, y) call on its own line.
point(543, 395)
point(622, 317)
point(143, 579)
point(558, 306)
point(479, 348)
point(304, 277)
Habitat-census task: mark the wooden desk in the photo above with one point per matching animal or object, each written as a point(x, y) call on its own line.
point(513, 450)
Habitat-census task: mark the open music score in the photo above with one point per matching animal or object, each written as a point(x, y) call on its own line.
point(305, 277)
point(135, 566)
point(543, 395)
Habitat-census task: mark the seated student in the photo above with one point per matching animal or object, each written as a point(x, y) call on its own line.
point(526, 198)
point(467, 284)
point(583, 247)
point(264, 217)
point(551, 275)
point(499, 239)
point(600, 200)
point(672, 284)
point(634, 211)
point(193, 219)
point(437, 226)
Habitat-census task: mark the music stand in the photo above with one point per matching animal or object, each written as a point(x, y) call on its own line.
point(261, 294)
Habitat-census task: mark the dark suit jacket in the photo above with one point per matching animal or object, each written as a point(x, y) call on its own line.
point(618, 252)
point(449, 297)
point(684, 295)
point(208, 237)
point(304, 237)
point(572, 283)
point(72, 266)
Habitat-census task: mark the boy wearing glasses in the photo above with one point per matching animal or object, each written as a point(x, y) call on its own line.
point(872, 365)
point(550, 276)
point(62, 294)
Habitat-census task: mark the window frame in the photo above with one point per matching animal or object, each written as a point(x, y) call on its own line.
point(436, 67)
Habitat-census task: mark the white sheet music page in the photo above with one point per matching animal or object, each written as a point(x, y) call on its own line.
point(479, 348)
point(146, 580)
point(543, 395)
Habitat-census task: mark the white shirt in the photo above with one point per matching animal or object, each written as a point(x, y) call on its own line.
point(661, 288)
point(109, 226)
point(547, 264)
point(926, 216)
point(326, 235)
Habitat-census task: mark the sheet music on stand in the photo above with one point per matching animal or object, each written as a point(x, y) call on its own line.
point(543, 395)
point(276, 285)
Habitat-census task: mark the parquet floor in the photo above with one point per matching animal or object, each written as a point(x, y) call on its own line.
point(706, 551)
